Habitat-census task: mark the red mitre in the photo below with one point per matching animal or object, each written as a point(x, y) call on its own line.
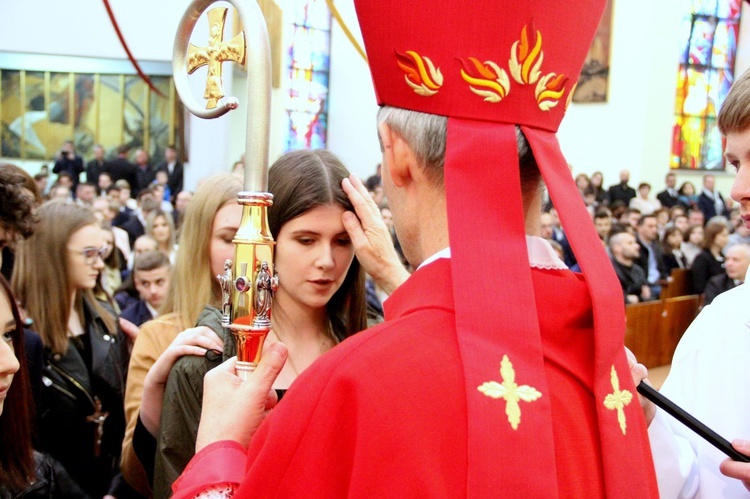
point(487, 66)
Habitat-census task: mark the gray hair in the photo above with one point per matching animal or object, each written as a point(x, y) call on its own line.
point(426, 135)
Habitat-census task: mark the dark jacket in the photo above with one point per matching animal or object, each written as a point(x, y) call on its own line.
point(51, 481)
point(704, 267)
point(134, 227)
point(73, 384)
point(642, 261)
point(137, 313)
point(707, 206)
point(184, 395)
point(122, 169)
point(667, 200)
point(632, 279)
point(621, 192)
point(716, 286)
point(175, 179)
point(74, 166)
point(93, 169)
point(145, 177)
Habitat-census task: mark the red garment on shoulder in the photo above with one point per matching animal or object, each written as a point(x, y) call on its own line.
point(356, 425)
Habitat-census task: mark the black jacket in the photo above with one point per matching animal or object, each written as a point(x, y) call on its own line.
point(175, 180)
point(73, 383)
point(51, 481)
point(122, 169)
point(707, 206)
point(667, 200)
point(716, 286)
point(621, 192)
point(704, 267)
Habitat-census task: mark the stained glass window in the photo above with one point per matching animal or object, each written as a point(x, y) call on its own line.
point(308, 32)
point(709, 44)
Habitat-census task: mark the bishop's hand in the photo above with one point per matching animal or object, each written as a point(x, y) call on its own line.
point(233, 409)
point(370, 237)
point(640, 373)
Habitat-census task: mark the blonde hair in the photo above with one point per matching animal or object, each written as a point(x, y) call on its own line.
point(42, 286)
point(192, 286)
point(735, 112)
point(151, 219)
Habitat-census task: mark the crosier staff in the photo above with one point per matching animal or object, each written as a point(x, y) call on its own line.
point(248, 282)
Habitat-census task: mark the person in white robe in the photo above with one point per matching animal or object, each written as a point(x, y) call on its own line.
point(709, 378)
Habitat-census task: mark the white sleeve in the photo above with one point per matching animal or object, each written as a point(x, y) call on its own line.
point(675, 460)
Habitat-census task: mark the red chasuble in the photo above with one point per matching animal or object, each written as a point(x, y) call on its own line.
point(343, 430)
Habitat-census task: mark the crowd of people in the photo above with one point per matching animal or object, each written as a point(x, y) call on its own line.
point(118, 380)
point(648, 237)
point(128, 278)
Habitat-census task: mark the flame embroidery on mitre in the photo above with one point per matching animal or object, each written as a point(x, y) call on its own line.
point(549, 90)
point(421, 74)
point(489, 81)
point(526, 56)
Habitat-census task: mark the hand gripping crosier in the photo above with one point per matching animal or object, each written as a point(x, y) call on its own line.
point(248, 283)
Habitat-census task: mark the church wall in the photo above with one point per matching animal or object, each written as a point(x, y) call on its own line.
point(632, 130)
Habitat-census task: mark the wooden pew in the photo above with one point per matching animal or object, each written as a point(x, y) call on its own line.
point(643, 332)
point(679, 313)
point(653, 329)
point(680, 283)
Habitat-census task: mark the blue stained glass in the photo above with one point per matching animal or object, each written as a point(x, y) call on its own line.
point(311, 48)
point(307, 61)
point(684, 37)
point(705, 7)
point(700, 41)
point(309, 13)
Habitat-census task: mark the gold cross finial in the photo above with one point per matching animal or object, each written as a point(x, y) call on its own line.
point(214, 54)
point(510, 392)
point(617, 400)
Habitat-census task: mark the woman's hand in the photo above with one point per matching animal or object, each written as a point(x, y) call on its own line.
point(193, 341)
point(370, 237)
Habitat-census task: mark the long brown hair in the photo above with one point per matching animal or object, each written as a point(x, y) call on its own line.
point(16, 457)
point(192, 285)
point(303, 180)
point(41, 283)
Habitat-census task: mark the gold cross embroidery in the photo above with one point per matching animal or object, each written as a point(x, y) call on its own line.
point(617, 400)
point(510, 392)
point(214, 54)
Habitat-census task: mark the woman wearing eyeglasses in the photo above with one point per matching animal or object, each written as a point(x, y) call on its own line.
point(81, 419)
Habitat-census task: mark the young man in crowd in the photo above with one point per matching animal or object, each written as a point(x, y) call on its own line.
point(151, 273)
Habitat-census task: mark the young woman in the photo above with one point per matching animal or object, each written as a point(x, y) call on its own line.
point(710, 261)
point(687, 196)
point(671, 253)
point(82, 419)
point(211, 221)
point(597, 185)
point(692, 243)
point(160, 226)
point(111, 276)
point(320, 300)
point(23, 472)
